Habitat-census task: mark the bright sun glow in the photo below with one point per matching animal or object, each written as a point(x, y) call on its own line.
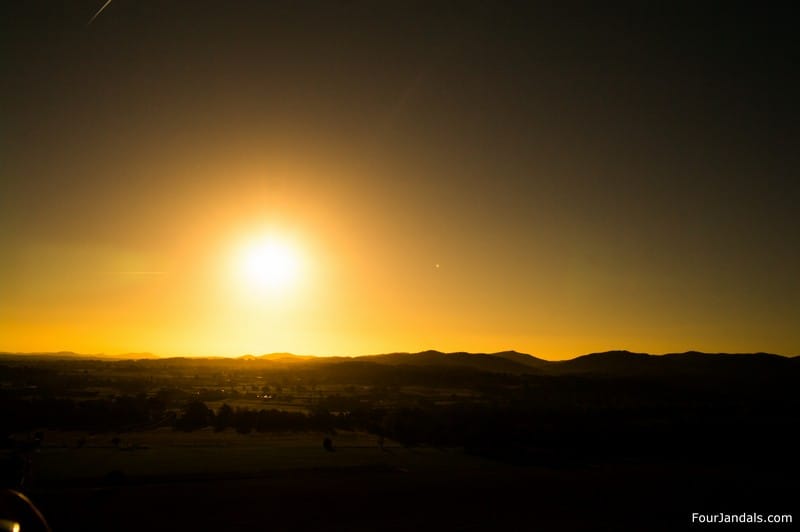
point(270, 264)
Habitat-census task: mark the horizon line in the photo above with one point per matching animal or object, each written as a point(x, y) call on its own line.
point(149, 354)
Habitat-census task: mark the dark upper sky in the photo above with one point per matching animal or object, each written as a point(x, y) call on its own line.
point(588, 176)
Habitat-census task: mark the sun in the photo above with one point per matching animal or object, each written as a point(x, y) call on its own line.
point(268, 264)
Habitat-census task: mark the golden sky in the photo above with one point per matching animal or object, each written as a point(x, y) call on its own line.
point(439, 179)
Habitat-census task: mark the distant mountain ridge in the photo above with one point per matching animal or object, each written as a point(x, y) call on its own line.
point(620, 362)
point(72, 354)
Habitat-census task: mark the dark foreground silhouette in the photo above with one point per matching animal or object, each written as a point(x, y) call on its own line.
point(425, 441)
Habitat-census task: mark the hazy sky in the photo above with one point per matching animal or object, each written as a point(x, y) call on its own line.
point(454, 175)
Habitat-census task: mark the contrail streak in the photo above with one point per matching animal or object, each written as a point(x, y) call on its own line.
point(98, 12)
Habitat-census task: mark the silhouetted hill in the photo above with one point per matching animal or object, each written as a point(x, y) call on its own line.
point(606, 362)
point(71, 355)
point(522, 358)
point(744, 364)
point(477, 361)
point(626, 363)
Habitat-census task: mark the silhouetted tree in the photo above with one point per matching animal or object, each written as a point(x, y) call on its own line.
point(327, 444)
point(244, 420)
point(224, 417)
point(196, 415)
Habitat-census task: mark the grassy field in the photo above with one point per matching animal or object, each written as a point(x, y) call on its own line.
point(206, 480)
point(169, 454)
point(435, 490)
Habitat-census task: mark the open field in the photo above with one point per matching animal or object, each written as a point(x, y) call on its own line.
point(166, 454)
point(436, 492)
